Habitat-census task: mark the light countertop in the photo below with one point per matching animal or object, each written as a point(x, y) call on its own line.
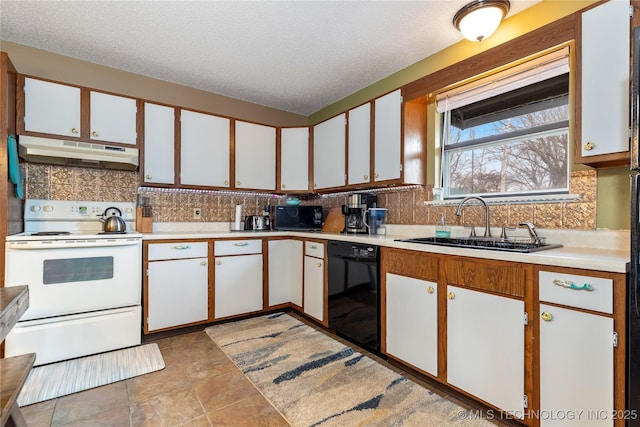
point(613, 258)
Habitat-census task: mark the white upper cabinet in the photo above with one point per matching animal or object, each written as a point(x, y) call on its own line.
point(159, 144)
point(255, 156)
point(204, 149)
point(359, 145)
point(388, 137)
point(329, 139)
point(294, 159)
point(605, 80)
point(113, 118)
point(51, 108)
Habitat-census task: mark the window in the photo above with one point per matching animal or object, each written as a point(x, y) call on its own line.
point(508, 134)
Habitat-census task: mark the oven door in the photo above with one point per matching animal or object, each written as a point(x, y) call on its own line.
point(67, 277)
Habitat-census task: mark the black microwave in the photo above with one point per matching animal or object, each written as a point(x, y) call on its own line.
point(285, 217)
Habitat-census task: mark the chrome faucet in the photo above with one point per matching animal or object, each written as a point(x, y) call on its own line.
point(487, 226)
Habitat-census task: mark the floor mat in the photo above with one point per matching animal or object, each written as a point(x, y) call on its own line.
point(59, 379)
point(314, 380)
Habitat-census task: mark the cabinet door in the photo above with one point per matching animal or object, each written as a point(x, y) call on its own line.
point(576, 366)
point(285, 272)
point(313, 303)
point(294, 159)
point(113, 118)
point(388, 137)
point(238, 285)
point(412, 321)
point(329, 153)
point(51, 108)
point(178, 292)
point(255, 156)
point(359, 145)
point(485, 347)
point(204, 149)
point(605, 79)
point(159, 144)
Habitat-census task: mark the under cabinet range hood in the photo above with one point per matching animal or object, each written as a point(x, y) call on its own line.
point(77, 153)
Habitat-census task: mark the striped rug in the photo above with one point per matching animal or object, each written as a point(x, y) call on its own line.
point(314, 380)
point(59, 379)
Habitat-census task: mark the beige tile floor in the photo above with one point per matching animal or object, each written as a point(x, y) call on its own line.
point(199, 386)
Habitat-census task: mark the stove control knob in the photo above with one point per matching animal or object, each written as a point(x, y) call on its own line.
point(47, 208)
point(35, 208)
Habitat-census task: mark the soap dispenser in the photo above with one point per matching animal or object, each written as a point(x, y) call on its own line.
point(442, 228)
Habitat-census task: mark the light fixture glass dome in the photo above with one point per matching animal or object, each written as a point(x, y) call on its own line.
point(480, 18)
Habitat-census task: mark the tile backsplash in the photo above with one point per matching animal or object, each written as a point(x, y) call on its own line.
point(406, 205)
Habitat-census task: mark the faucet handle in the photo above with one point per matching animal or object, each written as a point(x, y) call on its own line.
point(532, 231)
point(503, 234)
point(472, 233)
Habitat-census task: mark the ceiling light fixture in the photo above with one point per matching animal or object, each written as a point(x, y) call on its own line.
point(480, 18)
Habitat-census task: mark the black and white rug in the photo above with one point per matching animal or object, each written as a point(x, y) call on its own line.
point(59, 379)
point(314, 380)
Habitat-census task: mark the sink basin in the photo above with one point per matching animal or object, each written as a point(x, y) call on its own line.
point(494, 244)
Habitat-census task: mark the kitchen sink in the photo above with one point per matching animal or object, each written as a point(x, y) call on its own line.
point(490, 243)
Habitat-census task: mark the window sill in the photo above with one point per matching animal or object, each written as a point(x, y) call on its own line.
point(513, 200)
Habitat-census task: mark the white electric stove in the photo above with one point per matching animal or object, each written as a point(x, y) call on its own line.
point(84, 285)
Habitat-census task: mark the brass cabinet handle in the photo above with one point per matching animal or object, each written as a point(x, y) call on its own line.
point(451, 295)
point(546, 316)
point(218, 262)
point(375, 175)
point(226, 182)
point(284, 186)
point(147, 176)
point(238, 183)
point(74, 130)
point(589, 146)
point(241, 244)
point(94, 133)
point(430, 290)
point(181, 247)
point(366, 177)
point(319, 264)
point(203, 263)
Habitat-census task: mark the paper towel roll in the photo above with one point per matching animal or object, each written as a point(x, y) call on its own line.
point(238, 223)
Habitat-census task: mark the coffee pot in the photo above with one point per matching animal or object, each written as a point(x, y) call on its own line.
point(355, 211)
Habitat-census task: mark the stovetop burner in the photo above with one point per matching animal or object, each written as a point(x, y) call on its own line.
point(50, 233)
point(113, 232)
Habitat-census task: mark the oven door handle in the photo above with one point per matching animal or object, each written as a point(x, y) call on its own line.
point(71, 244)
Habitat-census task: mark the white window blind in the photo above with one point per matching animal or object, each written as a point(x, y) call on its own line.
point(544, 67)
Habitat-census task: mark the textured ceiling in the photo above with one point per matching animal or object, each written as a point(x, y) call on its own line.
point(296, 56)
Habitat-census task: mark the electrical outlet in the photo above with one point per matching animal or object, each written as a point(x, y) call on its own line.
point(197, 213)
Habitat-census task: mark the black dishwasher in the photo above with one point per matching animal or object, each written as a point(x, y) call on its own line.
point(354, 293)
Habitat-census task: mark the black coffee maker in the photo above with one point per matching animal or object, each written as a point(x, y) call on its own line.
point(355, 211)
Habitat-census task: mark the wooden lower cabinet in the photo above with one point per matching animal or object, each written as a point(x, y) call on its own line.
point(314, 292)
point(485, 347)
point(412, 321)
point(576, 366)
point(176, 289)
point(542, 345)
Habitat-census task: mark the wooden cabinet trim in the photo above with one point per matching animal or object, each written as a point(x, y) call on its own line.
point(419, 265)
point(500, 277)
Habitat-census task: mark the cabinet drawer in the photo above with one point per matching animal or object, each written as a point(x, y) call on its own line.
point(237, 247)
point(314, 249)
point(177, 250)
point(590, 293)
